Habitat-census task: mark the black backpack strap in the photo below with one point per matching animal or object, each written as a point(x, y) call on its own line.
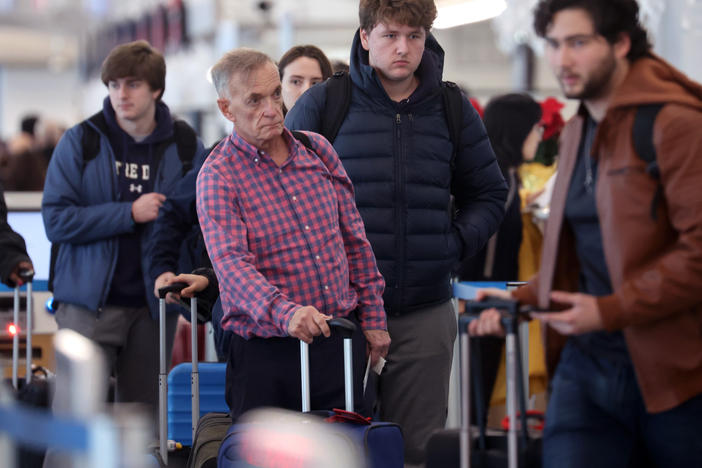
point(90, 142)
point(304, 139)
point(338, 88)
point(642, 133)
point(453, 108)
point(186, 143)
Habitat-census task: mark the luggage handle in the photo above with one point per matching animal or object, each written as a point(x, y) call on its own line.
point(173, 287)
point(176, 287)
point(510, 315)
point(26, 275)
point(345, 328)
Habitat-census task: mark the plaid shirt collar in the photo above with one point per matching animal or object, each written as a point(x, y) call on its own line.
point(250, 151)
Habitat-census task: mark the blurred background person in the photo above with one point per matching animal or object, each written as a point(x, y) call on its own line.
point(513, 124)
point(340, 66)
point(301, 67)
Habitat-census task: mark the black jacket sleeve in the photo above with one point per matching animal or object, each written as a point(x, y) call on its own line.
point(479, 189)
point(12, 247)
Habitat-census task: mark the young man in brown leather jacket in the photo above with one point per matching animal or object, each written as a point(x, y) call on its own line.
point(622, 258)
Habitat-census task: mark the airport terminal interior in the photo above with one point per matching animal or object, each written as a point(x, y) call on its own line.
point(51, 53)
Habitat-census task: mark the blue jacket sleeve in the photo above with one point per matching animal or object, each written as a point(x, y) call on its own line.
point(479, 189)
point(306, 114)
point(175, 221)
point(76, 209)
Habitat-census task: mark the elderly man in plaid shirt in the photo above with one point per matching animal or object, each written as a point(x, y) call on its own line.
point(288, 247)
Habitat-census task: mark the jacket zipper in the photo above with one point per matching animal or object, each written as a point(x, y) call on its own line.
point(399, 194)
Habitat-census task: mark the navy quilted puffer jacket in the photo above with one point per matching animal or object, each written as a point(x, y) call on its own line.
point(398, 155)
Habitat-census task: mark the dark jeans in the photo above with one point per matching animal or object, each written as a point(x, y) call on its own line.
point(266, 372)
point(596, 418)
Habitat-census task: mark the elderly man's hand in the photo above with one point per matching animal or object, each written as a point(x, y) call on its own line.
point(378, 344)
point(307, 322)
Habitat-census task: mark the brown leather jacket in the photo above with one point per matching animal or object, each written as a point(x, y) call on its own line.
point(655, 266)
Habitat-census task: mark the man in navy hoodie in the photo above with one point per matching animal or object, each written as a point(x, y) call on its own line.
point(100, 209)
point(394, 144)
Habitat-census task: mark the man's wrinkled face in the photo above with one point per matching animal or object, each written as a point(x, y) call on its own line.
point(254, 105)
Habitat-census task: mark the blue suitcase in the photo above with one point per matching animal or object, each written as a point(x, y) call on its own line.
point(380, 444)
point(190, 391)
point(212, 379)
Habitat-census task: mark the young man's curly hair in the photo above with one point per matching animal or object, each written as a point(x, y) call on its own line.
point(414, 13)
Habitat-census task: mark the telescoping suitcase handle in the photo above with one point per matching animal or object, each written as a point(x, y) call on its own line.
point(163, 372)
point(510, 314)
point(26, 275)
point(346, 328)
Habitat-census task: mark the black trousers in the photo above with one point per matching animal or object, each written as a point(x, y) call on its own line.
point(266, 372)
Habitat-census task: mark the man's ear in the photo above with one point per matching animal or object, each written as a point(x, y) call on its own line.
point(223, 105)
point(364, 38)
point(622, 46)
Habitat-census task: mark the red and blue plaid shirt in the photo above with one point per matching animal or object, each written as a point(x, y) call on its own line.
point(285, 237)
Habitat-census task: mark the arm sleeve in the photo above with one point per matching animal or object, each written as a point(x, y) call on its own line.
point(176, 218)
point(479, 189)
point(364, 276)
point(12, 247)
point(306, 114)
point(249, 301)
point(669, 283)
point(68, 216)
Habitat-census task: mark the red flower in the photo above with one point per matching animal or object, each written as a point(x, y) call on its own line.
point(551, 118)
point(477, 106)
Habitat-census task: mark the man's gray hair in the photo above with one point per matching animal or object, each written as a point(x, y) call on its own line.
point(241, 61)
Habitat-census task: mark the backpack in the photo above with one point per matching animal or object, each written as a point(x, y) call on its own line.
point(183, 136)
point(185, 140)
point(642, 134)
point(339, 99)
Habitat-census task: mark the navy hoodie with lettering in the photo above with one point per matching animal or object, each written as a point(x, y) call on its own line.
point(136, 166)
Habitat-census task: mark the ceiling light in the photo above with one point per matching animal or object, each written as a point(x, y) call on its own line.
point(453, 13)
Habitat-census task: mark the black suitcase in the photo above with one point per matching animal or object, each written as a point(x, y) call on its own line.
point(460, 447)
point(208, 437)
